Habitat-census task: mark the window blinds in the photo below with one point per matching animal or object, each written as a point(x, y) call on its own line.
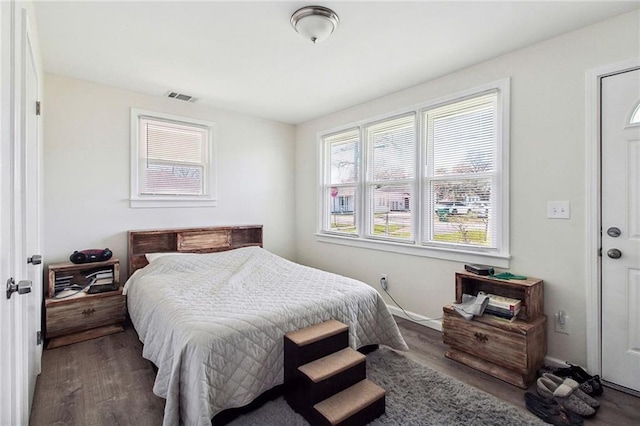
point(461, 171)
point(392, 159)
point(174, 158)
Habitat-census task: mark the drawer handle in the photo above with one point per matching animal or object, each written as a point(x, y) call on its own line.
point(88, 312)
point(481, 337)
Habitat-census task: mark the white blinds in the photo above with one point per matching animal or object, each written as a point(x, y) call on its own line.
point(173, 157)
point(344, 157)
point(392, 162)
point(340, 188)
point(461, 171)
point(462, 136)
point(392, 149)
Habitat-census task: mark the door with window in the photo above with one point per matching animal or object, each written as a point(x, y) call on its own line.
point(620, 106)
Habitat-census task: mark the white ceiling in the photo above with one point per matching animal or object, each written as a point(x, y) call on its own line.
point(246, 57)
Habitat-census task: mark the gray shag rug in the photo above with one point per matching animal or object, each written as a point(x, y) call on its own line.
point(416, 395)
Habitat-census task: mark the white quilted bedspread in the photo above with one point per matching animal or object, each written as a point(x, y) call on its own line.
point(213, 324)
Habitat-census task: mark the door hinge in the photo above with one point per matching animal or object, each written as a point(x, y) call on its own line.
point(600, 252)
point(39, 338)
point(37, 107)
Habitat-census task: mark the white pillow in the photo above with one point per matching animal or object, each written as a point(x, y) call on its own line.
point(153, 256)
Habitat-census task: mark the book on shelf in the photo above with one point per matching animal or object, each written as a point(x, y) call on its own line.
point(103, 281)
point(502, 311)
point(100, 273)
point(501, 303)
point(500, 317)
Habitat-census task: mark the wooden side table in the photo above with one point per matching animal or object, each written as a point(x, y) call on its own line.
point(510, 350)
point(83, 316)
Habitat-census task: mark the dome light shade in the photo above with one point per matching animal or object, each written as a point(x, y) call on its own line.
point(314, 23)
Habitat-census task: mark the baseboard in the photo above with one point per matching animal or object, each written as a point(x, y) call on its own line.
point(554, 362)
point(434, 323)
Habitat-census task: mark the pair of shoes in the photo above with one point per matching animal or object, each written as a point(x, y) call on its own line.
point(589, 384)
point(550, 411)
point(576, 388)
point(563, 394)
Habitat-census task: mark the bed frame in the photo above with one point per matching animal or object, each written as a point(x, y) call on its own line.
point(190, 240)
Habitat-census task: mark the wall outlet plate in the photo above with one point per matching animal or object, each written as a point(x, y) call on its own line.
point(561, 322)
point(558, 209)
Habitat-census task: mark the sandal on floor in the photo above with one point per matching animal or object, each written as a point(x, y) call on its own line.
point(550, 411)
point(576, 388)
point(563, 395)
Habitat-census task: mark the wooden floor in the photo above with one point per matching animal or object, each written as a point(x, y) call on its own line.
point(106, 381)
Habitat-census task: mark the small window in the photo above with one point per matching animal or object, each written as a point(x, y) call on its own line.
point(172, 161)
point(635, 117)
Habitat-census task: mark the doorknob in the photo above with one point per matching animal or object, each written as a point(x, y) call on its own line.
point(614, 253)
point(614, 232)
point(36, 259)
point(22, 287)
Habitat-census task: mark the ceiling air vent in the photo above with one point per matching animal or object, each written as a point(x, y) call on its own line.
point(181, 96)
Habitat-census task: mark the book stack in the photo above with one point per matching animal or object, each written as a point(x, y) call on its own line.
point(61, 283)
point(503, 307)
point(101, 280)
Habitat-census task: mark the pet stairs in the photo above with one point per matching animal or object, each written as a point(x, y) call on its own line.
point(325, 380)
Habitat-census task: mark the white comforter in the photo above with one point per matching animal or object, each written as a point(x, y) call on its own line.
point(213, 324)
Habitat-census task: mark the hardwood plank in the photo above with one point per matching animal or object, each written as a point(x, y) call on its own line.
point(93, 333)
point(105, 381)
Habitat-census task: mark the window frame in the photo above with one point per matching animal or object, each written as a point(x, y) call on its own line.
point(207, 199)
point(498, 256)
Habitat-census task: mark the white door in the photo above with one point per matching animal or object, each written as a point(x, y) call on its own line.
point(20, 314)
point(621, 229)
point(7, 406)
point(30, 211)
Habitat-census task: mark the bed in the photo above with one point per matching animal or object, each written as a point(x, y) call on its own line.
point(211, 308)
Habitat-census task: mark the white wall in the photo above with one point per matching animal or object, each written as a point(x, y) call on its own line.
point(87, 169)
point(547, 163)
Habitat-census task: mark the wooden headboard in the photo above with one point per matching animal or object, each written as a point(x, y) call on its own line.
point(190, 240)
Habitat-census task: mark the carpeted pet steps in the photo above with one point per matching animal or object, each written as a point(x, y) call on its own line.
point(354, 402)
point(325, 380)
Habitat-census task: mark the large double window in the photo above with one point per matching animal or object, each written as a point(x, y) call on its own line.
point(430, 180)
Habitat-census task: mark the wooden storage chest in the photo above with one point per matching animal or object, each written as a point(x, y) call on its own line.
point(83, 316)
point(510, 350)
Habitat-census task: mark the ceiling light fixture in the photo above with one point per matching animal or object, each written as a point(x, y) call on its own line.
point(314, 23)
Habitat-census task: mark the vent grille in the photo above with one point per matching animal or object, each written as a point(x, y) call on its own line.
point(181, 97)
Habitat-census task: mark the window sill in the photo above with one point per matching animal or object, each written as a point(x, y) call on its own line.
point(492, 259)
point(170, 202)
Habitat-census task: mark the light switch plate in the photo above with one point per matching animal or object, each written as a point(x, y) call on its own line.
point(558, 209)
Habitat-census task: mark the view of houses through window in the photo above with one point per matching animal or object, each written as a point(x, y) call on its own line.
point(427, 177)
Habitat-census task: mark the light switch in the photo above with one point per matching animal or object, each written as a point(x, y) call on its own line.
point(558, 209)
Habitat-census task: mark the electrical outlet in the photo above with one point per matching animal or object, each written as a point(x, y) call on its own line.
point(562, 322)
point(384, 281)
point(558, 209)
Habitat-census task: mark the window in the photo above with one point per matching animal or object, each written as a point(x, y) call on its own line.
point(635, 117)
point(429, 181)
point(172, 161)
point(391, 172)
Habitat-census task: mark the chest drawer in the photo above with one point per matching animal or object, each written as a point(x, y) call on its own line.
point(68, 316)
point(507, 348)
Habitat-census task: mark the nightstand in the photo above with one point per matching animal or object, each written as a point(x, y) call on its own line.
point(509, 350)
point(83, 316)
